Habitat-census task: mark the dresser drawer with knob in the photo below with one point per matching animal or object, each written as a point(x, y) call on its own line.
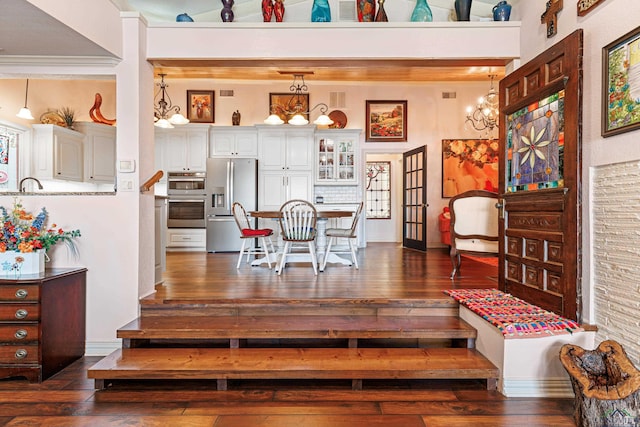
point(10, 354)
point(42, 323)
point(19, 293)
point(18, 333)
point(21, 312)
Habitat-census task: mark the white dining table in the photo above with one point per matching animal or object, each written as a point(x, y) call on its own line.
point(321, 237)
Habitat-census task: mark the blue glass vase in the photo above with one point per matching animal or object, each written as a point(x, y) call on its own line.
point(422, 12)
point(320, 12)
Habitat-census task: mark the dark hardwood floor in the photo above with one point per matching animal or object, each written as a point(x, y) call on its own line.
point(386, 272)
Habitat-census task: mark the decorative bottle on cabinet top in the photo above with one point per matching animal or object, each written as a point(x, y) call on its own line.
point(320, 11)
point(422, 12)
point(463, 10)
point(366, 10)
point(381, 15)
point(501, 11)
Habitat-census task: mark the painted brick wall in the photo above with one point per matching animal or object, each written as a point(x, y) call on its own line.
point(616, 254)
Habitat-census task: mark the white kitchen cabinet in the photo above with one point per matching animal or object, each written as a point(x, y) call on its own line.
point(186, 238)
point(99, 151)
point(285, 147)
point(57, 153)
point(184, 148)
point(285, 163)
point(336, 155)
point(233, 141)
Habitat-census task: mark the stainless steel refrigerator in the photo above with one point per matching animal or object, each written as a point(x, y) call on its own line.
point(229, 180)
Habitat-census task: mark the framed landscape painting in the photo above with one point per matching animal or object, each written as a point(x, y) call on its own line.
point(200, 108)
point(386, 121)
point(469, 164)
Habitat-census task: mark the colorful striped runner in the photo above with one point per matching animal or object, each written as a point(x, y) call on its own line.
point(514, 317)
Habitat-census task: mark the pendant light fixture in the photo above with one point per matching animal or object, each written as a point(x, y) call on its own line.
point(165, 107)
point(24, 112)
point(295, 106)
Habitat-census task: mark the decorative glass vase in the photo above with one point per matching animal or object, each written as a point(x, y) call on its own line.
point(463, 10)
point(381, 15)
point(422, 12)
point(267, 10)
point(320, 11)
point(227, 12)
point(278, 10)
point(16, 264)
point(366, 10)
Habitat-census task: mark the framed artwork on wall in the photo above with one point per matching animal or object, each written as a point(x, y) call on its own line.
point(621, 84)
point(386, 121)
point(280, 103)
point(469, 164)
point(585, 6)
point(200, 107)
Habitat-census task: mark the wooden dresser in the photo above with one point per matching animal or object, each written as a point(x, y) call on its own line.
point(42, 323)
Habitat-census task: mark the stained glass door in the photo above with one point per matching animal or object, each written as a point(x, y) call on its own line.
point(540, 172)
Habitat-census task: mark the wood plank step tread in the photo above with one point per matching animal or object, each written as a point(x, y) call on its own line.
point(223, 327)
point(294, 363)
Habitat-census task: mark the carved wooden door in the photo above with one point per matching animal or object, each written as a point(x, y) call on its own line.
point(540, 175)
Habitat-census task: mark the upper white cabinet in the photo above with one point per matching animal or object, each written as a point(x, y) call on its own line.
point(285, 163)
point(336, 153)
point(183, 148)
point(233, 141)
point(57, 153)
point(286, 148)
point(99, 151)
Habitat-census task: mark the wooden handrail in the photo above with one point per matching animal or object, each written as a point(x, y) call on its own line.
point(151, 181)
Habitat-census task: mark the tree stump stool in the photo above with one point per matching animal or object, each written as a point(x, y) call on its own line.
point(605, 383)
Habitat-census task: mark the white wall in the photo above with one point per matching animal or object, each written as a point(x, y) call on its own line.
point(602, 25)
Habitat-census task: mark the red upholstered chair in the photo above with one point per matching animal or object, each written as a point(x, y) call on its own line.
point(247, 232)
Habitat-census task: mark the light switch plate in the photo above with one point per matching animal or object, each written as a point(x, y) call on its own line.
point(126, 166)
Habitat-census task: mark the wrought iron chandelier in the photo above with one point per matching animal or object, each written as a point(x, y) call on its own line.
point(485, 115)
point(295, 107)
point(165, 107)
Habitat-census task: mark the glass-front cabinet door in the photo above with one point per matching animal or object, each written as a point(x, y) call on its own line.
point(337, 156)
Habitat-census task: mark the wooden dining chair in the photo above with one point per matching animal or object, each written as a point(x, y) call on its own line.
point(247, 232)
point(298, 226)
point(349, 233)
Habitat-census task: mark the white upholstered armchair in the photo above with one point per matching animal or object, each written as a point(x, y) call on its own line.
point(474, 226)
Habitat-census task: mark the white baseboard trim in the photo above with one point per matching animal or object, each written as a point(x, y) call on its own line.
point(102, 348)
point(549, 388)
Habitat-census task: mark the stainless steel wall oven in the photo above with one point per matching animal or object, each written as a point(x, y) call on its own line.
point(187, 195)
point(186, 212)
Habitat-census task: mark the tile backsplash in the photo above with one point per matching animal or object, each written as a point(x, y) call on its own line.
point(338, 193)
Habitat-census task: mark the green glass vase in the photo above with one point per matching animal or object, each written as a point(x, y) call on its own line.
point(422, 12)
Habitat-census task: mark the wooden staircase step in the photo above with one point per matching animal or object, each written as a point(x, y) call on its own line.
point(284, 327)
point(293, 363)
point(442, 306)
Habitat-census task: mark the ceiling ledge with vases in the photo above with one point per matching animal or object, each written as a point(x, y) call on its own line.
point(449, 41)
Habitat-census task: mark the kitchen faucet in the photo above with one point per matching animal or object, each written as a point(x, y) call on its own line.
point(27, 178)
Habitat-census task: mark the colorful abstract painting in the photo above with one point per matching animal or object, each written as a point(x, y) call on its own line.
point(469, 164)
point(535, 145)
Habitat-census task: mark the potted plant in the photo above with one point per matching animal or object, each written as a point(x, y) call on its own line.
point(68, 115)
point(24, 240)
